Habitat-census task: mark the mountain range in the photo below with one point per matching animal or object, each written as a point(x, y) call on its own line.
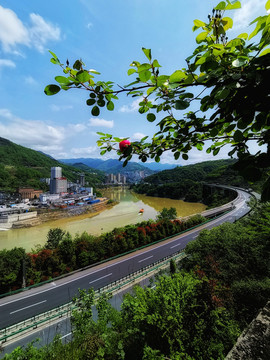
point(113, 166)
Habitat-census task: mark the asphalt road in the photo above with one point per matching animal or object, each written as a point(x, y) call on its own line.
point(19, 307)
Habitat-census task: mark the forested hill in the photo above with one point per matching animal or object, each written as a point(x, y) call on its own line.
point(209, 171)
point(186, 182)
point(21, 166)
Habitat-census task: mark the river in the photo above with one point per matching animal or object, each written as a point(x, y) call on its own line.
point(124, 213)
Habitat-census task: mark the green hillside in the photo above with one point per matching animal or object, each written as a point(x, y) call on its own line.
point(197, 172)
point(186, 182)
point(20, 166)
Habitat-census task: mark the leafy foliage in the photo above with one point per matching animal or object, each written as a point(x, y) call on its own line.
point(226, 80)
point(168, 214)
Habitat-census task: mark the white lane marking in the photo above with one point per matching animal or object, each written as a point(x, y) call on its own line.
point(102, 277)
point(149, 257)
point(13, 312)
point(66, 335)
point(175, 245)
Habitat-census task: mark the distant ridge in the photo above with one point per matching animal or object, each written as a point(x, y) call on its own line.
point(114, 166)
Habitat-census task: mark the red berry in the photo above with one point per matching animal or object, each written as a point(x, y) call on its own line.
point(124, 144)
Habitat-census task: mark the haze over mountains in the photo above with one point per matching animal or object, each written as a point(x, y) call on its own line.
point(114, 166)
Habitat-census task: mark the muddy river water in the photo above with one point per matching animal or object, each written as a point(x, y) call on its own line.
point(124, 213)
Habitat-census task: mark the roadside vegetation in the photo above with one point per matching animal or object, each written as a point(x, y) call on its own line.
point(196, 312)
point(63, 253)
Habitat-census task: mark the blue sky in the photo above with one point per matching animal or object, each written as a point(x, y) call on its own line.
point(108, 36)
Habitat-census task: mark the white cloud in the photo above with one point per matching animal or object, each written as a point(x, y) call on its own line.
point(31, 133)
point(42, 32)
point(89, 25)
point(54, 107)
point(101, 123)
point(13, 32)
point(77, 128)
point(137, 136)
point(90, 150)
point(249, 11)
point(7, 63)
point(5, 113)
point(30, 80)
point(134, 106)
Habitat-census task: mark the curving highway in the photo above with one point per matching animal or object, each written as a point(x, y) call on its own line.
point(19, 307)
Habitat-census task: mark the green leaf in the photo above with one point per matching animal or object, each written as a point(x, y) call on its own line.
point(185, 156)
point(150, 90)
point(222, 94)
point(181, 104)
point(156, 63)
point(176, 155)
point(145, 76)
point(221, 6)
point(214, 132)
point(100, 133)
point(177, 76)
point(144, 67)
point(147, 53)
point(233, 6)
point(90, 102)
point(54, 61)
point(199, 23)
point(157, 159)
point(131, 71)
point(103, 152)
point(77, 65)
point(238, 136)
point(101, 102)
point(95, 111)
point(267, 5)
point(151, 117)
point(83, 76)
point(53, 54)
point(227, 23)
point(243, 36)
point(62, 80)
point(110, 106)
point(201, 37)
point(259, 26)
point(51, 89)
point(266, 51)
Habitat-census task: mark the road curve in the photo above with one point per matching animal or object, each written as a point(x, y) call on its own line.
point(16, 308)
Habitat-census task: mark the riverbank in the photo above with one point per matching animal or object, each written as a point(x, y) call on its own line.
point(45, 215)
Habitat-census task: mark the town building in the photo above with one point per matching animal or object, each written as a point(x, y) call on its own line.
point(58, 184)
point(29, 193)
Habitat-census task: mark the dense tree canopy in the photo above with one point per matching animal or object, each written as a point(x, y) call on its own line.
point(227, 80)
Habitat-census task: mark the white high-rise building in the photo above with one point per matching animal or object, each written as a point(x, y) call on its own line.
point(56, 172)
point(58, 184)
